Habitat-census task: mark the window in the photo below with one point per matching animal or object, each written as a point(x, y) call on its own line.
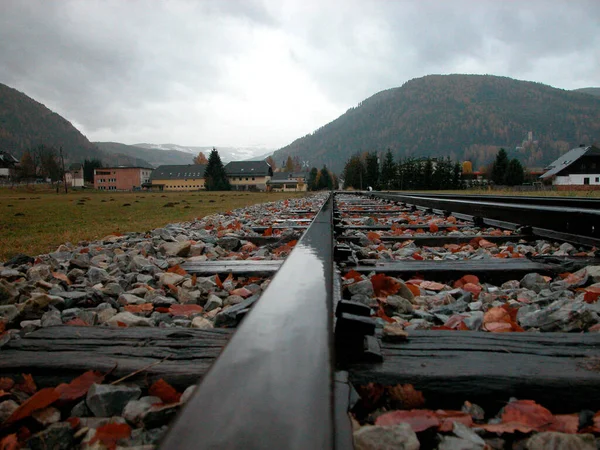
point(597, 179)
point(253, 178)
point(586, 180)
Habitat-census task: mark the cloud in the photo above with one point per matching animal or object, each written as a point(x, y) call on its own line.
point(264, 73)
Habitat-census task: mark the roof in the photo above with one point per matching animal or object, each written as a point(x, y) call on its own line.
point(289, 175)
point(8, 159)
point(178, 172)
point(245, 168)
point(569, 158)
point(123, 167)
point(286, 181)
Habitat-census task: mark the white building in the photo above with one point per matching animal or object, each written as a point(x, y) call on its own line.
point(578, 169)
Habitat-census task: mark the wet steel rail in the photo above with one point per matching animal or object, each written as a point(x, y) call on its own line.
point(283, 380)
point(570, 202)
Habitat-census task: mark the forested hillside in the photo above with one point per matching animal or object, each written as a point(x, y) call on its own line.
point(464, 117)
point(589, 90)
point(153, 156)
point(25, 124)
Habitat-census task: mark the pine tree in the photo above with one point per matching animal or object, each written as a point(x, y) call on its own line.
point(372, 178)
point(427, 175)
point(456, 176)
point(215, 178)
point(88, 169)
point(325, 181)
point(514, 173)
point(388, 171)
point(500, 167)
point(355, 173)
point(312, 179)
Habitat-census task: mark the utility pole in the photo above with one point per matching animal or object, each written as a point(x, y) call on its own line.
point(64, 174)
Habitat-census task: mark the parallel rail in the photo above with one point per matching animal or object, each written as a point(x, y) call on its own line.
point(569, 202)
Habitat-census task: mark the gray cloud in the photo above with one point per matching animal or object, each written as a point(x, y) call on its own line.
point(247, 72)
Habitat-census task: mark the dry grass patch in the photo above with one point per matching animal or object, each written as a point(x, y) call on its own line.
point(36, 220)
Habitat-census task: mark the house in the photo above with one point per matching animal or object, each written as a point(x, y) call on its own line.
point(288, 182)
point(74, 176)
point(184, 177)
point(121, 178)
point(7, 163)
point(248, 175)
point(578, 169)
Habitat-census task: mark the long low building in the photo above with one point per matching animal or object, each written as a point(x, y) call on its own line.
point(242, 175)
point(188, 177)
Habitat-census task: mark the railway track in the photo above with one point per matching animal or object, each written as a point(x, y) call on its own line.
point(368, 267)
point(298, 397)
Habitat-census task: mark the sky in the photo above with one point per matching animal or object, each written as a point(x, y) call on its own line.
point(264, 73)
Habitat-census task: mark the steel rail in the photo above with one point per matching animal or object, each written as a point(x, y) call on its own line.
point(273, 384)
point(584, 222)
point(572, 202)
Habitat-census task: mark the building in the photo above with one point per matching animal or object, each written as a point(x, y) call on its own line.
point(188, 177)
point(7, 163)
point(74, 176)
point(578, 169)
point(288, 182)
point(248, 175)
point(121, 178)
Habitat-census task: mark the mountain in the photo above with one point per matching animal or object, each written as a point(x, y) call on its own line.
point(464, 117)
point(153, 156)
point(589, 90)
point(25, 124)
point(226, 153)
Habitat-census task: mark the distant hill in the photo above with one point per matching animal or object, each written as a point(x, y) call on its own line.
point(153, 156)
point(25, 123)
point(465, 117)
point(226, 153)
point(589, 90)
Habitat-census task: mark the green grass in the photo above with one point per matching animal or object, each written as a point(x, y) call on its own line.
point(36, 220)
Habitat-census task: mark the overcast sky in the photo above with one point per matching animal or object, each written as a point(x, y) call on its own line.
point(243, 72)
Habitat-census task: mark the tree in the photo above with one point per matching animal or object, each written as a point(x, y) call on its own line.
point(289, 164)
point(427, 177)
point(355, 173)
point(312, 179)
point(467, 167)
point(500, 167)
point(372, 178)
point(325, 180)
point(514, 173)
point(388, 171)
point(27, 166)
point(49, 166)
point(200, 159)
point(88, 169)
point(215, 177)
point(270, 161)
point(456, 176)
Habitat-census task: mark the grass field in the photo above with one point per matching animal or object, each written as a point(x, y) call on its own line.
point(36, 220)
